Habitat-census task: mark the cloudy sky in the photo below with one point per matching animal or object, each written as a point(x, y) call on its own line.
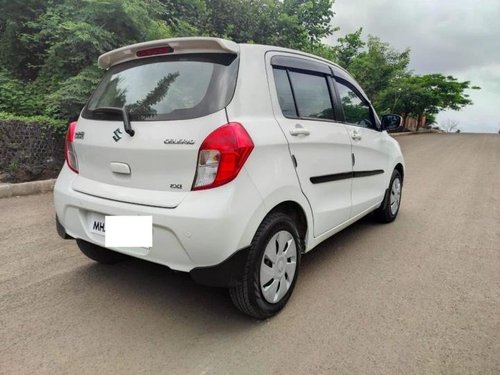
point(457, 37)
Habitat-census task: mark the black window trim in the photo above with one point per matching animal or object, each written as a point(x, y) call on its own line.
point(300, 63)
point(293, 95)
point(332, 74)
point(327, 75)
point(343, 80)
point(334, 95)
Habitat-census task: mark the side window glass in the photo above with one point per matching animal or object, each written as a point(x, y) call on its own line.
point(312, 95)
point(284, 91)
point(356, 111)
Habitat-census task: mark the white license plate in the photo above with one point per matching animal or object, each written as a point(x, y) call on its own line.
point(123, 231)
point(129, 231)
point(97, 224)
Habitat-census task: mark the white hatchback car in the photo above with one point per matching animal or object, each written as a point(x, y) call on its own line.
point(245, 156)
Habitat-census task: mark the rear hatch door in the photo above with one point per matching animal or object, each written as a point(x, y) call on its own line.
point(173, 103)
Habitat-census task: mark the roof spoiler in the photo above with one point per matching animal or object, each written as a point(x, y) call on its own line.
point(179, 45)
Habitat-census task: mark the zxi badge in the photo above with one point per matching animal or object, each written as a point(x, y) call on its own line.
point(79, 135)
point(117, 135)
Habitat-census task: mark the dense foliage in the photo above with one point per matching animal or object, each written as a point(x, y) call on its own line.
point(49, 48)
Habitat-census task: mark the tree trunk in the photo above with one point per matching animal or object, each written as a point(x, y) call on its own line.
point(424, 121)
point(422, 118)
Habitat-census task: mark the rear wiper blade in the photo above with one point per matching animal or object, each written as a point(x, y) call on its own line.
point(123, 112)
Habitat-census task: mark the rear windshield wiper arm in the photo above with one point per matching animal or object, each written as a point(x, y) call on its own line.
point(123, 112)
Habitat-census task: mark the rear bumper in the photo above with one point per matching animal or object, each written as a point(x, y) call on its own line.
point(61, 231)
point(200, 235)
point(225, 274)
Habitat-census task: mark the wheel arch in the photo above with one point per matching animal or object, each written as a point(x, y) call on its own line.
point(289, 200)
point(297, 213)
point(399, 167)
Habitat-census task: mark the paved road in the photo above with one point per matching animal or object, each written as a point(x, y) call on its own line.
point(420, 295)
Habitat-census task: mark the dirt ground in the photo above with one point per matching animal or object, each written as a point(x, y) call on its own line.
point(420, 295)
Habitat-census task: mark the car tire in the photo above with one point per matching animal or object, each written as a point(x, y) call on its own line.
point(100, 254)
point(388, 210)
point(271, 269)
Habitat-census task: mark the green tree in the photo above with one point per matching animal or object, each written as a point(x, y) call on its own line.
point(383, 73)
point(292, 23)
point(348, 48)
point(58, 43)
point(425, 95)
point(18, 57)
point(74, 33)
point(315, 17)
point(73, 93)
point(16, 97)
point(184, 17)
point(377, 66)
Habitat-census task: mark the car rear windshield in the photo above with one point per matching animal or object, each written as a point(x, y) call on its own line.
point(173, 87)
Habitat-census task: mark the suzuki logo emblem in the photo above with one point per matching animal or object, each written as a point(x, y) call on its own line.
point(117, 135)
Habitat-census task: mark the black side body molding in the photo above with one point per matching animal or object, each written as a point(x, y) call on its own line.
point(344, 176)
point(228, 273)
point(331, 177)
point(367, 173)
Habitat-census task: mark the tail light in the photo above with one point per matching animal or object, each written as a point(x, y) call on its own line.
point(222, 155)
point(69, 149)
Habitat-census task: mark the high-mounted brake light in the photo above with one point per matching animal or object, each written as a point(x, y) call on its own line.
point(154, 51)
point(222, 155)
point(69, 149)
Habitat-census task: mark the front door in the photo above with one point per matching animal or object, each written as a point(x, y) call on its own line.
point(369, 158)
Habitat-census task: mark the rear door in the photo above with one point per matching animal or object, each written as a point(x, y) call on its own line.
point(173, 102)
point(319, 144)
point(369, 146)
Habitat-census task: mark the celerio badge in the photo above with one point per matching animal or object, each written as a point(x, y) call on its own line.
point(178, 141)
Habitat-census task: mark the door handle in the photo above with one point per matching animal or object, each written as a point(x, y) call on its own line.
point(299, 130)
point(356, 136)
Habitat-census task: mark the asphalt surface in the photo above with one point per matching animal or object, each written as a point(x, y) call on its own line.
point(420, 295)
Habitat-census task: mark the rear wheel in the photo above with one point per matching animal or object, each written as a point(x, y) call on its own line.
point(271, 269)
point(389, 208)
point(100, 254)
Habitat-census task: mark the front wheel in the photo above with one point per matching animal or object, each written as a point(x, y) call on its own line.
point(271, 269)
point(389, 208)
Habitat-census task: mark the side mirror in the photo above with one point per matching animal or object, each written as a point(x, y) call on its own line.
point(391, 122)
